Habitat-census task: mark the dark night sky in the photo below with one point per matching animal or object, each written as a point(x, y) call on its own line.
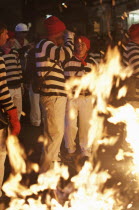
point(15, 11)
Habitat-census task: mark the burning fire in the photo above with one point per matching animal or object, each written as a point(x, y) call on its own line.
point(87, 189)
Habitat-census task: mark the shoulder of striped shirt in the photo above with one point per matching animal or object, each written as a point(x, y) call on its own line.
point(13, 50)
point(42, 40)
point(132, 44)
point(1, 59)
point(94, 57)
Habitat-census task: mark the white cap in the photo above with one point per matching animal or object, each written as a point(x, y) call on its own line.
point(21, 27)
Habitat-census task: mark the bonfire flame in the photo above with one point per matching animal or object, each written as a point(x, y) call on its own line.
point(87, 189)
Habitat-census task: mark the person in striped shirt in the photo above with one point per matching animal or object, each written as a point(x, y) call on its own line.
point(7, 105)
point(13, 72)
point(131, 58)
point(80, 64)
point(50, 54)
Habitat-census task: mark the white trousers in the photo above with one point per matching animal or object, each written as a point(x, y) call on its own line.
point(80, 108)
point(53, 110)
point(16, 96)
point(3, 136)
point(35, 111)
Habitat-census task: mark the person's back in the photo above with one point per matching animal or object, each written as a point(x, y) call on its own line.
point(13, 72)
point(131, 59)
point(50, 53)
point(6, 104)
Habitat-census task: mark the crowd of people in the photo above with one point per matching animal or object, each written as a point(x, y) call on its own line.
point(59, 56)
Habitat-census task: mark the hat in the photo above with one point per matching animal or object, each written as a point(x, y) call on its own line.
point(11, 35)
point(21, 27)
point(134, 31)
point(83, 39)
point(54, 26)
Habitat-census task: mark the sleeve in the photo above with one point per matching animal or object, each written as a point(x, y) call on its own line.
point(19, 68)
point(5, 98)
point(96, 57)
point(125, 58)
point(131, 58)
point(47, 49)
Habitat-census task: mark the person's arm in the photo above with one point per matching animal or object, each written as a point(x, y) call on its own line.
point(134, 62)
point(47, 49)
point(6, 101)
point(19, 68)
point(125, 57)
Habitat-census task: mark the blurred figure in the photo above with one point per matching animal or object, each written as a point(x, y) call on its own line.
point(50, 54)
point(21, 43)
point(21, 31)
point(13, 72)
point(6, 106)
point(35, 110)
point(131, 58)
point(80, 64)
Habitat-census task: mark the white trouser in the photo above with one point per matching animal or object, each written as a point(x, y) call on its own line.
point(2, 155)
point(16, 96)
point(35, 111)
point(53, 110)
point(82, 108)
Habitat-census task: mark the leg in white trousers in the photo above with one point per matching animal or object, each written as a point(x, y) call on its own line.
point(16, 96)
point(71, 124)
point(2, 155)
point(85, 113)
point(81, 107)
point(53, 108)
point(35, 111)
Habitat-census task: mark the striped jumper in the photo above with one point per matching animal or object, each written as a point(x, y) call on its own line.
point(47, 54)
point(13, 68)
point(5, 99)
point(74, 67)
point(131, 58)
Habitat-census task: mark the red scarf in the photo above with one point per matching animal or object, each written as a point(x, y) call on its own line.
point(6, 50)
point(81, 59)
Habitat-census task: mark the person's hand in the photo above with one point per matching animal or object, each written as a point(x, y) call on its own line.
point(14, 122)
point(69, 34)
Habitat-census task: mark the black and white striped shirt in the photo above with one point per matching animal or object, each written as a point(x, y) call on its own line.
point(13, 68)
point(47, 54)
point(74, 67)
point(131, 58)
point(5, 98)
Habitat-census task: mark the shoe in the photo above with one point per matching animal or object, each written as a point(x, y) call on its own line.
point(70, 157)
